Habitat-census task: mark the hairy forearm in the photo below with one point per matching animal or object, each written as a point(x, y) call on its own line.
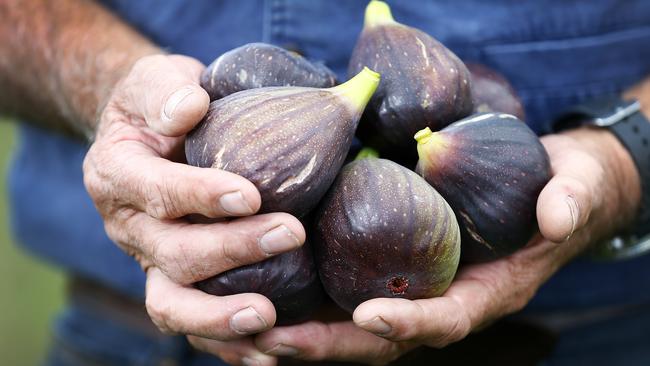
point(59, 61)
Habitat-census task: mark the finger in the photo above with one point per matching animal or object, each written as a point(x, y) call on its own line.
point(565, 203)
point(185, 310)
point(238, 352)
point(436, 322)
point(187, 253)
point(162, 188)
point(165, 91)
point(342, 341)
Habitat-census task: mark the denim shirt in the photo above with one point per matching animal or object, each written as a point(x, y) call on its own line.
point(555, 52)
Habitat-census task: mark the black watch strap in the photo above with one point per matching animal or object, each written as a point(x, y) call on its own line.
point(634, 134)
point(625, 120)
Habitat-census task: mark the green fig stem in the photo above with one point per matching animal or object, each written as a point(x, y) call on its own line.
point(360, 88)
point(431, 145)
point(377, 13)
point(423, 136)
point(367, 152)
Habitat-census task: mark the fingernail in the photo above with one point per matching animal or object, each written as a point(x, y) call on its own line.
point(278, 240)
point(247, 361)
point(376, 325)
point(281, 350)
point(574, 211)
point(174, 101)
point(247, 321)
point(235, 204)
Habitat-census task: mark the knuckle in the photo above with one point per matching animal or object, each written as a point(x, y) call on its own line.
point(160, 312)
point(457, 330)
point(230, 253)
point(161, 201)
point(173, 258)
point(145, 63)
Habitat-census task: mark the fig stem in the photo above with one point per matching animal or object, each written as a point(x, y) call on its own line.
point(377, 13)
point(430, 144)
point(367, 152)
point(423, 136)
point(360, 88)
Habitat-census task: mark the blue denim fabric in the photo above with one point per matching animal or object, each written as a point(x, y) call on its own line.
point(556, 53)
point(85, 337)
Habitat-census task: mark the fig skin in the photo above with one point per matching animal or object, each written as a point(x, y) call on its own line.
point(382, 231)
point(289, 280)
point(490, 168)
point(492, 92)
point(423, 84)
point(288, 141)
point(258, 65)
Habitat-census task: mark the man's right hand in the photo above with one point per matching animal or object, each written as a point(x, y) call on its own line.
point(135, 175)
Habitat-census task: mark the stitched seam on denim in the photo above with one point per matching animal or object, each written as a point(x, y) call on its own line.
point(569, 43)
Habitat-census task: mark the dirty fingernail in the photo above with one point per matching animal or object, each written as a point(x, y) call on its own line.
point(247, 321)
point(174, 101)
point(235, 204)
point(376, 325)
point(278, 240)
point(575, 212)
point(282, 350)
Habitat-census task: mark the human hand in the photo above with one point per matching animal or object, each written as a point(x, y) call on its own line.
point(592, 193)
point(134, 174)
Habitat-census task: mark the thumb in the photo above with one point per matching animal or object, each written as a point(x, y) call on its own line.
point(165, 92)
point(566, 202)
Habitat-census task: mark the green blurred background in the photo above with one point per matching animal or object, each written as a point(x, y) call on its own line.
point(31, 292)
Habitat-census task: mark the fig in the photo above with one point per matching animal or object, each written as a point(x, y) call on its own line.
point(423, 83)
point(288, 141)
point(491, 92)
point(257, 65)
point(382, 231)
point(289, 280)
point(490, 168)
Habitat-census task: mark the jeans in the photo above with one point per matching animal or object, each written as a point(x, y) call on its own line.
point(85, 336)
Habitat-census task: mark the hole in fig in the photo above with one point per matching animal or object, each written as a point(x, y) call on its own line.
point(398, 285)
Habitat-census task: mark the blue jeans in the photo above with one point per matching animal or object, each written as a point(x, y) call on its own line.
point(83, 336)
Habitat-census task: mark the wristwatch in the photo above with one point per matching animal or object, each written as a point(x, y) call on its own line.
point(626, 121)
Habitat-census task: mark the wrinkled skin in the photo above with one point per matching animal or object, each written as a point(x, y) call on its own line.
point(135, 176)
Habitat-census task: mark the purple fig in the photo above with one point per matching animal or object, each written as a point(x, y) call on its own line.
point(289, 280)
point(492, 92)
point(490, 168)
point(258, 65)
point(288, 141)
point(423, 83)
point(382, 231)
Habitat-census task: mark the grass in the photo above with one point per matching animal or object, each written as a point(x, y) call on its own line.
point(30, 292)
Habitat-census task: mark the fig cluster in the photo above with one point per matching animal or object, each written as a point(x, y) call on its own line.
point(381, 227)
